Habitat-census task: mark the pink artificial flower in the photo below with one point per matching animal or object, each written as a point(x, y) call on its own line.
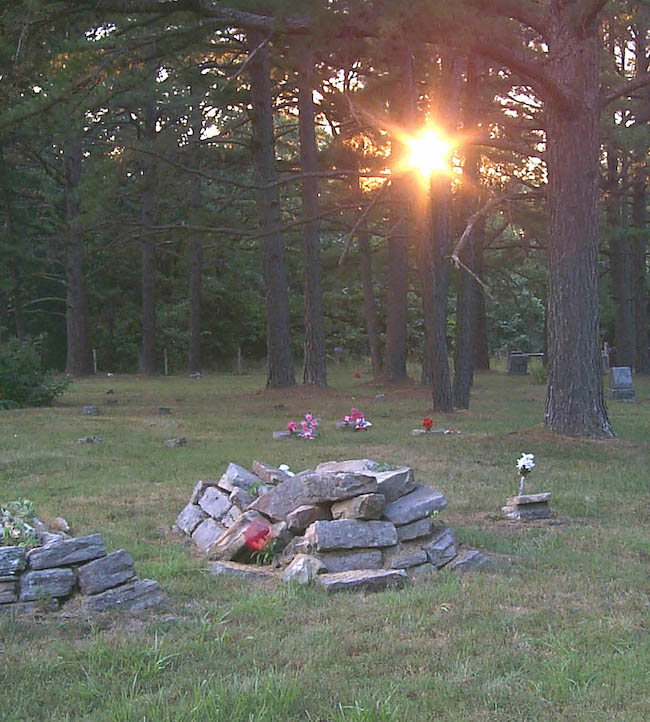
point(292, 427)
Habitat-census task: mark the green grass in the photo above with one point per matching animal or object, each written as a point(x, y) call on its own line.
point(556, 634)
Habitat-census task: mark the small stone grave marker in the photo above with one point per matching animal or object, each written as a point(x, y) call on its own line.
point(518, 363)
point(620, 384)
point(90, 410)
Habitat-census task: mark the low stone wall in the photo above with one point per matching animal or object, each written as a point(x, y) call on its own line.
point(345, 524)
point(45, 577)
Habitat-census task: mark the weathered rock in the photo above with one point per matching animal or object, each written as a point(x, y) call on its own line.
point(442, 548)
point(528, 507)
point(366, 506)
point(47, 538)
point(46, 583)
point(426, 568)
point(470, 560)
point(200, 488)
point(164, 410)
point(231, 516)
point(67, 552)
point(396, 483)
point(8, 590)
point(351, 534)
point(280, 435)
point(363, 579)
point(90, 410)
point(105, 573)
point(340, 561)
point(61, 525)
point(298, 545)
point(240, 498)
point(335, 486)
point(280, 536)
point(407, 557)
point(352, 466)
point(215, 503)
point(237, 540)
point(415, 505)
point(303, 569)
point(414, 530)
point(180, 441)
point(246, 572)
point(42, 605)
point(281, 500)
point(92, 439)
point(269, 474)
point(133, 596)
point(207, 533)
point(191, 516)
point(12, 560)
point(237, 476)
point(299, 519)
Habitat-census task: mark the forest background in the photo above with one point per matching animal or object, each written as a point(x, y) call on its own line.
point(254, 179)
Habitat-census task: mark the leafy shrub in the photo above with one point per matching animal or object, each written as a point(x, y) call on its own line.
point(15, 529)
point(538, 372)
point(23, 380)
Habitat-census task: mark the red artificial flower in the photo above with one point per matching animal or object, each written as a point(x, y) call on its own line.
point(427, 423)
point(257, 536)
point(357, 374)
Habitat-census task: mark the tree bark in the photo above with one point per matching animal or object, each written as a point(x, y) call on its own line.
point(148, 361)
point(574, 403)
point(278, 339)
point(314, 371)
point(196, 250)
point(78, 361)
point(369, 302)
point(639, 250)
point(482, 354)
point(402, 113)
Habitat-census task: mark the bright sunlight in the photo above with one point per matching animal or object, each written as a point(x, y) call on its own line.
point(428, 152)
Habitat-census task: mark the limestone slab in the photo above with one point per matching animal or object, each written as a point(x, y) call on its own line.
point(46, 583)
point(351, 534)
point(237, 476)
point(342, 561)
point(396, 483)
point(416, 505)
point(191, 516)
point(269, 474)
point(443, 546)
point(363, 580)
point(67, 552)
point(352, 465)
point(365, 506)
point(236, 541)
point(133, 596)
point(12, 560)
point(231, 516)
point(336, 486)
point(414, 530)
point(200, 488)
point(109, 571)
point(215, 503)
point(207, 533)
point(303, 569)
point(300, 518)
point(245, 572)
point(240, 498)
point(8, 590)
point(281, 500)
point(470, 560)
point(43, 605)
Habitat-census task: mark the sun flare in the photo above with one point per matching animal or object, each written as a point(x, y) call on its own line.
point(428, 153)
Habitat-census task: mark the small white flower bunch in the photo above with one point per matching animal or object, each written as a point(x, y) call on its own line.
point(286, 469)
point(525, 464)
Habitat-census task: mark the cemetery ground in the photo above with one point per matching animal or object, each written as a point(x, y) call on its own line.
point(555, 631)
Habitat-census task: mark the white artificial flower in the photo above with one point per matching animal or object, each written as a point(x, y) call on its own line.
point(526, 463)
point(285, 468)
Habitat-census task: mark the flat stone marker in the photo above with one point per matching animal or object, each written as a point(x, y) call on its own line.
point(528, 506)
point(90, 410)
point(363, 579)
point(620, 384)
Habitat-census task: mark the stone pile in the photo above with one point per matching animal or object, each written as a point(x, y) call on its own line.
point(347, 524)
point(47, 576)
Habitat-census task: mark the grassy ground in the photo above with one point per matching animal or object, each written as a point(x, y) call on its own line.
point(558, 634)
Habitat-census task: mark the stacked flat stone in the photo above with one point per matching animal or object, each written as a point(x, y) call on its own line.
point(527, 507)
point(346, 524)
point(47, 576)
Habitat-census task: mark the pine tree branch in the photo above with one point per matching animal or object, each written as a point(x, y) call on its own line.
point(589, 16)
point(515, 10)
point(625, 88)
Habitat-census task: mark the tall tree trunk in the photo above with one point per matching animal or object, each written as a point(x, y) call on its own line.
point(639, 250)
point(465, 346)
point(278, 339)
point(148, 361)
point(196, 249)
point(369, 302)
point(78, 349)
point(196, 265)
point(482, 353)
point(574, 403)
point(314, 360)
point(19, 314)
point(402, 113)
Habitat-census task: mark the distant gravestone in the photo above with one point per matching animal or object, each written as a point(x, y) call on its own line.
point(518, 363)
point(604, 358)
point(90, 410)
point(620, 384)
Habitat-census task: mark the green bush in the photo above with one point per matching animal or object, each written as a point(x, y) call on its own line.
point(23, 380)
point(538, 372)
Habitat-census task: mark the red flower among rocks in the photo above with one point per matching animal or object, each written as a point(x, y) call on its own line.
point(427, 423)
point(257, 536)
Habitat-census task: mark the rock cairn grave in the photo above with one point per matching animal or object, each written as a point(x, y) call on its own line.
point(44, 578)
point(345, 525)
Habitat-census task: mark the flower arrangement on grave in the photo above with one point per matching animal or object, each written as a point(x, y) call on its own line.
point(357, 374)
point(357, 420)
point(15, 529)
point(427, 423)
point(308, 427)
point(525, 464)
